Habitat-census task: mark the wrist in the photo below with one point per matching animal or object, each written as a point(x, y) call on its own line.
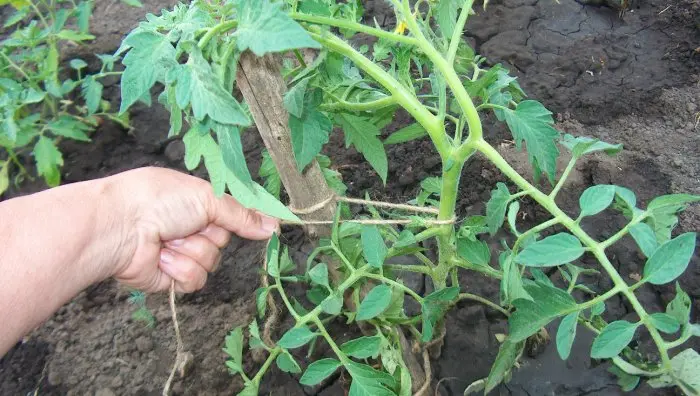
point(113, 244)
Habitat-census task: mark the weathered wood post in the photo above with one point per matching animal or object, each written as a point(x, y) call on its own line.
point(261, 83)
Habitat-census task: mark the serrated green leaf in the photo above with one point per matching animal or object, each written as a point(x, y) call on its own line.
point(367, 381)
point(70, 35)
point(512, 282)
point(83, 14)
point(513, 209)
point(374, 303)
point(532, 122)
point(664, 322)
point(584, 145)
point(309, 132)
point(148, 61)
point(332, 304)
point(268, 171)
point(554, 250)
point(434, 307)
point(285, 361)
point(91, 90)
point(566, 333)
point(363, 135)
point(318, 371)
point(48, 160)
point(645, 238)
point(670, 260)
point(476, 252)
point(234, 349)
point(613, 339)
point(294, 98)
point(508, 355)
point(319, 274)
point(261, 300)
point(595, 199)
point(531, 315)
point(406, 134)
point(363, 347)
point(272, 256)
point(373, 246)
point(679, 307)
point(263, 27)
point(207, 95)
point(672, 200)
point(446, 15)
point(287, 265)
point(69, 127)
point(496, 207)
point(229, 138)
point(296, 337)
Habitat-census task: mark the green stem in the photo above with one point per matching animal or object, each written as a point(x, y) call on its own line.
point(595, 248)
point(474, 297)
point(484, 269)
point(321, 328)
point(458, 30)
point(300, 58)
point(562, 179)
point(624, 231)
point(287, 304)
point(268, 362)
point(403, 97)
point(360, 106)
point(358, 27)
point(448, 72)
point(685, 336)
point(218, 29)
point(409, 268)
point(41, 16)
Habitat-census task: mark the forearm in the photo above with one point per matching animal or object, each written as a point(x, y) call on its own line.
point(52, 245)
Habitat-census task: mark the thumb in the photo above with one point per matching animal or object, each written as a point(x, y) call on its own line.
point(246, 223)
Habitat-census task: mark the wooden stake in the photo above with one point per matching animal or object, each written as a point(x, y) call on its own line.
point(261, 83)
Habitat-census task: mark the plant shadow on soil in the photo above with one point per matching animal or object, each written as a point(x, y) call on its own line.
point(630, 80)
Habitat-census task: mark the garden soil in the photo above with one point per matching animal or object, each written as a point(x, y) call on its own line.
point(632, 79)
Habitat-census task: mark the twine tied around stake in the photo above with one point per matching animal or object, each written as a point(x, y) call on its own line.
point(366, 202)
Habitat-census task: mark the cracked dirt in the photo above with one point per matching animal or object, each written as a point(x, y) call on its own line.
point(632, 80)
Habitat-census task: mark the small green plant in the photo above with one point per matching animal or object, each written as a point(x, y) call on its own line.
point(42, 104)
point(426, 68)
point(142, 313)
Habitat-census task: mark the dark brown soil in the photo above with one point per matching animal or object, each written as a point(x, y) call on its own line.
point(632, 80)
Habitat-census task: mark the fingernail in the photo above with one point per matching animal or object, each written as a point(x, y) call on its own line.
point(176, 242)
point(269, 224)
point(166, 257)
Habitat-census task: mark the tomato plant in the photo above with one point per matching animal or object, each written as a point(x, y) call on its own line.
point(425, 67)
point(42, 104)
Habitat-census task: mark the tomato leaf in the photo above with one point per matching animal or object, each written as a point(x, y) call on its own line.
point(566, 334)
point(532, 122)
point(645, 238)
point(496, 207)
point(554, 250)
point(670, 260)
point(48, 160)
point(362, 134)
point(596, 198)
point(374, 303)
point(373, 246)
point(613, 339)
point(263, 27)
point(530, 315)
point(363, 347)
point(434, 307)
point(296, 337)
point(318, 371)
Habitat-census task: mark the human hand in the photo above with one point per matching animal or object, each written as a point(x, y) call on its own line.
point(173, 227)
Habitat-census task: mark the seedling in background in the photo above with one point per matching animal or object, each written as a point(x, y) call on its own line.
point(43, 101)
point(425, 67)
